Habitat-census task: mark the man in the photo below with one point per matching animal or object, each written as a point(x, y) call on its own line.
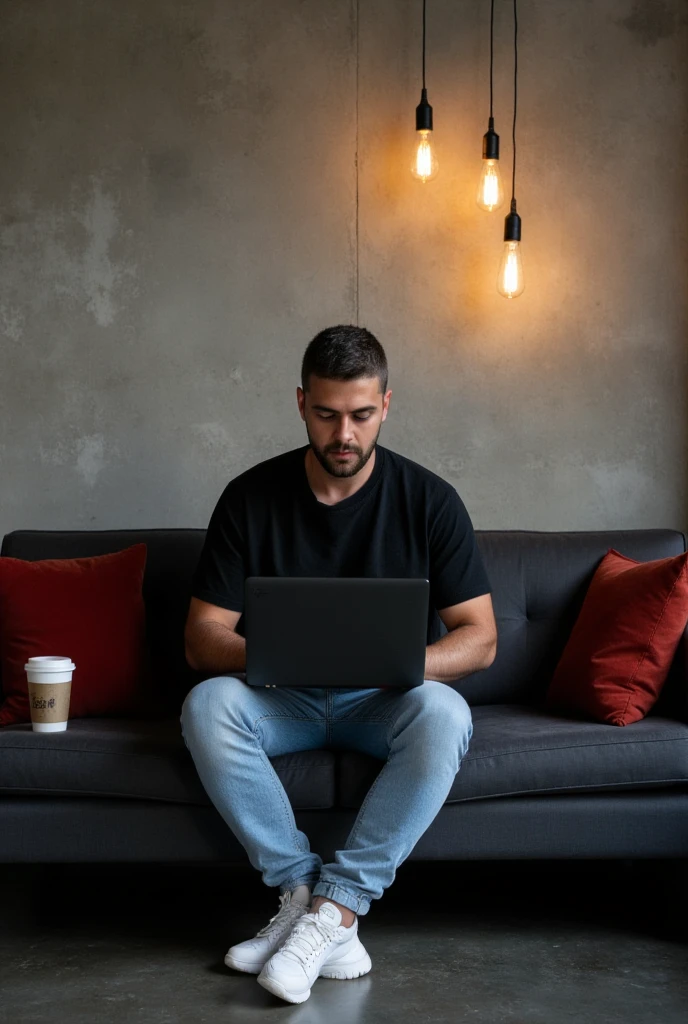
point(340, 506)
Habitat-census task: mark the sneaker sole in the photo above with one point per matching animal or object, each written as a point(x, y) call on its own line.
point(346, 972)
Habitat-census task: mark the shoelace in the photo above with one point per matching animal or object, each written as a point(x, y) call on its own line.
point(309, 927)
point(285, 904)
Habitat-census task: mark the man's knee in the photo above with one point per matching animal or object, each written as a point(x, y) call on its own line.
point(207, 699)
point(446, 709)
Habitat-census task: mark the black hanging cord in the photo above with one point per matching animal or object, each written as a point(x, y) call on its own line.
point(512, 221)
point(513, 176)
point(491, 51)
point(424, 43)
point(423, 110)
point(490, 138)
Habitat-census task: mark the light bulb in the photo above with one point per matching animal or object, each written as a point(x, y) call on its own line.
point(490, 191)
point(425, 166)
point(510, 281)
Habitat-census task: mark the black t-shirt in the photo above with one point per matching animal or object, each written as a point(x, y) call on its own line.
point(405, 522)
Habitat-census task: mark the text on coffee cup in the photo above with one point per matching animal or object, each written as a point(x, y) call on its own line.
point(41, 702)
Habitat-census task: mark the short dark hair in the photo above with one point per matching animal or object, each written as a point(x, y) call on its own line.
point(344, 352)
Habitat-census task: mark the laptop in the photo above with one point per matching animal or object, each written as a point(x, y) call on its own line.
point(335, 632)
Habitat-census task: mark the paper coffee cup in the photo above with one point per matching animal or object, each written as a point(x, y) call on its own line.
point(49, 680)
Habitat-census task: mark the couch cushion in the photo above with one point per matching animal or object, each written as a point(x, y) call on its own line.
point(539, 581)
point(520, 750)
point(136, 758)
point(94, 609)
point(172, 555)
point(624, 641)
point(514, 750)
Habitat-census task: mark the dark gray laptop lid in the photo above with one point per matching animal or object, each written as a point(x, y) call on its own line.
point(335, 631)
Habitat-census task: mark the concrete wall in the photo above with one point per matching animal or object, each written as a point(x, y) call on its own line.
point(190, 189)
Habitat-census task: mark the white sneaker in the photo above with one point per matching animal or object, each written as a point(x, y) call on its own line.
point(318, 946)
point(252, 955)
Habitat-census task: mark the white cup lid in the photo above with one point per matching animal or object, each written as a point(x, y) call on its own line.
point(50, 663)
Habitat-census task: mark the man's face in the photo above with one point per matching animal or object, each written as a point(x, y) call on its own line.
point(343, 417)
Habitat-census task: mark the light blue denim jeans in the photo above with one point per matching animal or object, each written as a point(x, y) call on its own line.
point(231, 730)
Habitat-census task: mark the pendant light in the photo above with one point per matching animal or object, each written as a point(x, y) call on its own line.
point(490, 190)
point(510, 281)
point(424, 166)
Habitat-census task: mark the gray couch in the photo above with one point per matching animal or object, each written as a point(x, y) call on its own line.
point(533, 784)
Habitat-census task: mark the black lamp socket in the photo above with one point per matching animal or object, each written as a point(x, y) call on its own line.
point(512, 225)
point(491, 143)
point(423, 113)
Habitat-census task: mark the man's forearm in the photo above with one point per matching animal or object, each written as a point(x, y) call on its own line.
point(462, 651)
point(212, 647)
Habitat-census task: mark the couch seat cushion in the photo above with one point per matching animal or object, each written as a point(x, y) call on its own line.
point(135, 758)
point(518, 749)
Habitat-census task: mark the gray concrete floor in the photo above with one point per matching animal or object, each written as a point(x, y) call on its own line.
point(523, 943)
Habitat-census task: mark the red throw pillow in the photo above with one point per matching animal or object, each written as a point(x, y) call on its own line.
point(624, 640)
point(88, 609)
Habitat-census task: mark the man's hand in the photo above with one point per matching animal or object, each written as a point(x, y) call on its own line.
point(470, 644)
